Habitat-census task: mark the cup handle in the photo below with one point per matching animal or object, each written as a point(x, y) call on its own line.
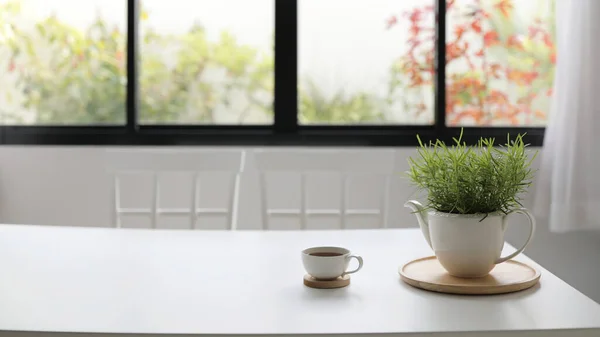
point(525, 212)
point(360, 264)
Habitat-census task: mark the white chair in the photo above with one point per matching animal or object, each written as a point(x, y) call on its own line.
point(155, 161)
point(345, 163)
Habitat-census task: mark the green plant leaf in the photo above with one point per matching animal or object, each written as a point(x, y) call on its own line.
point(478, 179)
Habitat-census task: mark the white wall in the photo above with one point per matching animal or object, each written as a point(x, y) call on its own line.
point(70, 186)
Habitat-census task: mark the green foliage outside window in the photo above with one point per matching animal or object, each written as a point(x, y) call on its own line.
point(60, 74)
point(66, 75)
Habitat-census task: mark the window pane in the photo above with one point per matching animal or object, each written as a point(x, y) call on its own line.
point(500, 62)
point(359, 61)
point(62, 62)
point(207, 61)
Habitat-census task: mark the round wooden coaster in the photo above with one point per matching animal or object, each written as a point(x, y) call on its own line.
point(339, 282)
point(427, 273)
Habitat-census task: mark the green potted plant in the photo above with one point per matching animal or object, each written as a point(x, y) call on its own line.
point(470, 192)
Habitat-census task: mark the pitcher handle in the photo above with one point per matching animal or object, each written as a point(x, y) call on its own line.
point(531, 231)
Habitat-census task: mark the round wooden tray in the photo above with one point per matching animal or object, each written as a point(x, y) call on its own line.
point(427, 273)
point(339, 282)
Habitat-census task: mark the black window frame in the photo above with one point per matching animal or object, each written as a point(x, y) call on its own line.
point(285, 130)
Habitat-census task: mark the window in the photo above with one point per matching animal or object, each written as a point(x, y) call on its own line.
point(499, 62)
point(62, 62)
point(206, 62)
point(273, 72)
point(354, 57)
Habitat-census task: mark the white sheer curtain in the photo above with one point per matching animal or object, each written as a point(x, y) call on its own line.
point(568, 187)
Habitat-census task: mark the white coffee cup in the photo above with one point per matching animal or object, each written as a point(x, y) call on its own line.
point(328, 263)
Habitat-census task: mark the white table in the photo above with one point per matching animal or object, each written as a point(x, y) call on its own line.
point(109, 281)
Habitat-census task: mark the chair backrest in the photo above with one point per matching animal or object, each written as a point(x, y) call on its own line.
point(345, 163)
point(157, 161)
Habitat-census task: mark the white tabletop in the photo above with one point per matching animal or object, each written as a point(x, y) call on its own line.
point(93, 280)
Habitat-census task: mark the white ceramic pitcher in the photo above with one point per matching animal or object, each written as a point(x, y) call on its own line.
point(466, 245)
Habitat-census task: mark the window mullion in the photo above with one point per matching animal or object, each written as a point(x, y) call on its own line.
point(286, 66)
point(440, 65)
point(132, 64)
